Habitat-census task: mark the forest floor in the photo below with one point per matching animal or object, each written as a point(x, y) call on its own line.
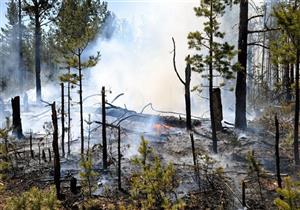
point(171, 143)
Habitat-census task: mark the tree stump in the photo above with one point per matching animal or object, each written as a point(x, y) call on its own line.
point(73, 185)
point(218, 112)
point(16, 115)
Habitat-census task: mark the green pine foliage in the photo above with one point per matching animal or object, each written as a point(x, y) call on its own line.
point(34, 199)
point(153, 185)
point(210, 39)
point(88, 176)
point(289, 195)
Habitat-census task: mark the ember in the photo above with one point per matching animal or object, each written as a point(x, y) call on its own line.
point(161, 128)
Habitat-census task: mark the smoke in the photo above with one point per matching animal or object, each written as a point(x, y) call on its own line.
point(137, 59)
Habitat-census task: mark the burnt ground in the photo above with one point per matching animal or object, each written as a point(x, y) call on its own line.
point(171, 143)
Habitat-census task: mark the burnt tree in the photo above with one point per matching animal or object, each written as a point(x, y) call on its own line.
point(296, 122)
point(62, 119)
point(119, 159)
point(16, 115)
point(241, 89)
point(56, 151)
point(69, 112)
point(279, 181)
point(104, 142)
point(186, 84)
point(218, 113)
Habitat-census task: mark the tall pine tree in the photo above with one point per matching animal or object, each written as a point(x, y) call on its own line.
point(78, 23)
point(219, 53)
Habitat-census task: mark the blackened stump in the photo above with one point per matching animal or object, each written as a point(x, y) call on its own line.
point(16, 115)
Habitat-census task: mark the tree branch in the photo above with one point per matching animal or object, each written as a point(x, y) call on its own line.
point(263, 30)
point(253, 17)
point(257, 44)
point(174, 62)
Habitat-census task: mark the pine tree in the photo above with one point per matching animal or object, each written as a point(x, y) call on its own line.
point(288, 16)
point(219, 53)
point(40, 13)
point(78, 23)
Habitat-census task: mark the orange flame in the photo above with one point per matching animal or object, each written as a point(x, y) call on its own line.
point(160, 128)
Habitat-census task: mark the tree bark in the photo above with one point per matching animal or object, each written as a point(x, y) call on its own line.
point(296, 123)
point(277, 153)
point(37, 47)
point(211, 102)
point(16, 115)
point(62, 119)
point(81, 102)
point(188, 95)
point(241, 87)
point(287, 83)
point(243, 194)
point(218, 112)
point(69, 113)
point(56, 151)
point(30, 146)
point(104, 143)
point(119, 159)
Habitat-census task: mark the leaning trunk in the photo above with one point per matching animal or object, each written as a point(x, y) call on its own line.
point(240, 90)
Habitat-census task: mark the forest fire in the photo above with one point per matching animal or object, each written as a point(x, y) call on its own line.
point(160, 128)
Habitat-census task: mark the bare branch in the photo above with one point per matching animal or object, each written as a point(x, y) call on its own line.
point(174, 63)
point(258, 44)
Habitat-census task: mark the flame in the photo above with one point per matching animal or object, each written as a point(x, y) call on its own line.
point(160, 128)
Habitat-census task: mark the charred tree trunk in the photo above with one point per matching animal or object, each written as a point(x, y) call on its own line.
point(49, 153)
point(62, 119)
point(16, 115)
point(30, 146)
point(287, 83)
point(37, 58)
point(218, 113)
point(241, 87)
point(211, 79)
point(188, 95)
point(56, 151)
point(81, 102)
point(296, 123)
point(104, 143)
point(243, 194)
point(196, 169)
point(69, 113)
point(277, 153)
point(73, 185)
point(119, 159)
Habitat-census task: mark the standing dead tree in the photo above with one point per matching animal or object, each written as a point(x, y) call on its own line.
point(16, 115)
point(279, 181)
point(62, 119)
point(56, 150)
point(104, 142)
point(186, 84)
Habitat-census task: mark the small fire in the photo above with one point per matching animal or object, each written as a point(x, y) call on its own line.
point(160, 128)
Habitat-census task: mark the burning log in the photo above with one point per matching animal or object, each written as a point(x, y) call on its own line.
point(218, 113)
point(16, 115)
point(56, 151)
